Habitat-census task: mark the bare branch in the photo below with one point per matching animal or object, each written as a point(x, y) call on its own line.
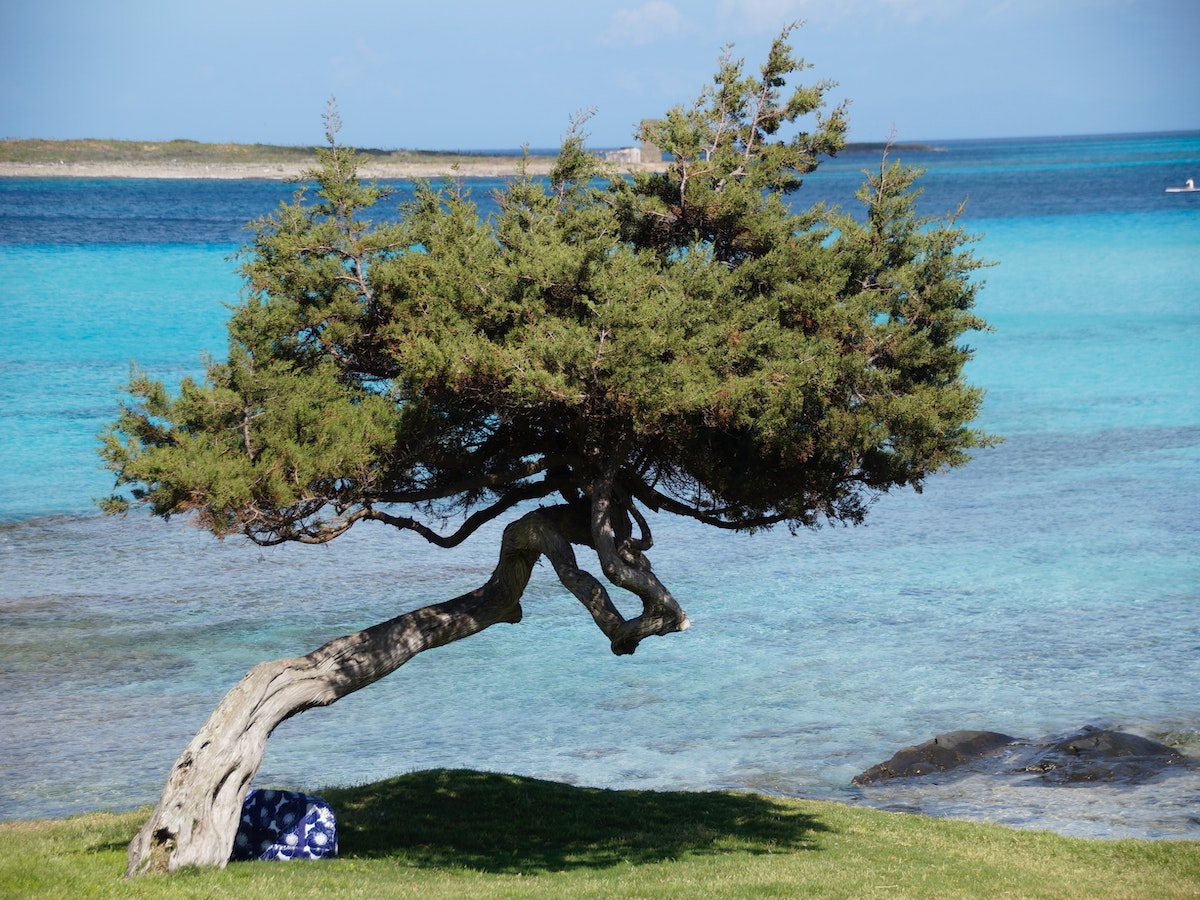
point(475, 521)
point(725, 517)
point(484, 480)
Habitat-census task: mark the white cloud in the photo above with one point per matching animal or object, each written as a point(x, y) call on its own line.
point(644, 24)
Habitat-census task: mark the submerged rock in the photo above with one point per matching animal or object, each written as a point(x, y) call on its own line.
point(1088, 755)
point(944, 752)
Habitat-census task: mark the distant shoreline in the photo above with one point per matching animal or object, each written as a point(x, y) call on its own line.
point(384, 171)
point(96, 158)
point(181, 159)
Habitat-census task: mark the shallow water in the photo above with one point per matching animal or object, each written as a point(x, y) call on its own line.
point(1051, 583)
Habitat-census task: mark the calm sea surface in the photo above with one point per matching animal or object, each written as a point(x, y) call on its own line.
point(1054, 582)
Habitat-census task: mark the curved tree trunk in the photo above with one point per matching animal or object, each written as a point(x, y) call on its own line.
point(196, 819)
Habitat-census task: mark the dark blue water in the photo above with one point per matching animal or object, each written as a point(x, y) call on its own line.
point(1053, 582)
point(998, 179)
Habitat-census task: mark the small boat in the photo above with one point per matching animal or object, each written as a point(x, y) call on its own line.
point(1188, 187)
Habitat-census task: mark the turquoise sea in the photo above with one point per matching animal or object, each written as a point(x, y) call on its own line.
point(1052, 583)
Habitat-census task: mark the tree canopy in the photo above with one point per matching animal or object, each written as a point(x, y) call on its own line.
point(683, 340)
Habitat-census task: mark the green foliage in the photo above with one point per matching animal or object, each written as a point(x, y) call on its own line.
point(686, 339)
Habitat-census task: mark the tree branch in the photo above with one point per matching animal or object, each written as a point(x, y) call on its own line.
point(660, 613)
point(481, 481)
point(472, 523)
point(718, 518)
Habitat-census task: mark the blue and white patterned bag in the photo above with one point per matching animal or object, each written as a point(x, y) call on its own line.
point(285, 825)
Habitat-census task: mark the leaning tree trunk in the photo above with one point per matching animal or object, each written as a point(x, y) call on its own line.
point(196, 819)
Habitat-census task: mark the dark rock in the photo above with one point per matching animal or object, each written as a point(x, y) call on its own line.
point(1084, 756)
point(944, 752)
point(1095, 754)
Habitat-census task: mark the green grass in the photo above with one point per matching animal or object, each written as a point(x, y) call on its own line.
point(470, 834)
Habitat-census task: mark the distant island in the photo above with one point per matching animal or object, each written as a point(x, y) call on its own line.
point(95, 158)
point(98, 158)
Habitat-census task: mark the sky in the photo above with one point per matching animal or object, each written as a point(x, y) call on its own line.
point(501, 74)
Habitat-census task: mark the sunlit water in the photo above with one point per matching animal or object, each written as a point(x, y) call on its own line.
point(1053, 582)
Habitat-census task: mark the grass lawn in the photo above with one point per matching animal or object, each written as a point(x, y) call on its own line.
point(471, 834)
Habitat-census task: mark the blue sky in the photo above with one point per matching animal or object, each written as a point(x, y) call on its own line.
point(477, 74)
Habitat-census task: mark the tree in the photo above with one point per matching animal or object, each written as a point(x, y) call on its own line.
point(601, 349)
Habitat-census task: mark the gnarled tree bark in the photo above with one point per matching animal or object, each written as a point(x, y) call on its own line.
point(196, 819)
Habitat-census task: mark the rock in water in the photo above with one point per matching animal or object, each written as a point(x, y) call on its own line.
point(285, 825)
point(1088, 755)
point(1095, 754)
point(944, 752)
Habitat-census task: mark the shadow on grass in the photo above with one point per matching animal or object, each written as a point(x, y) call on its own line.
point(508, 824)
